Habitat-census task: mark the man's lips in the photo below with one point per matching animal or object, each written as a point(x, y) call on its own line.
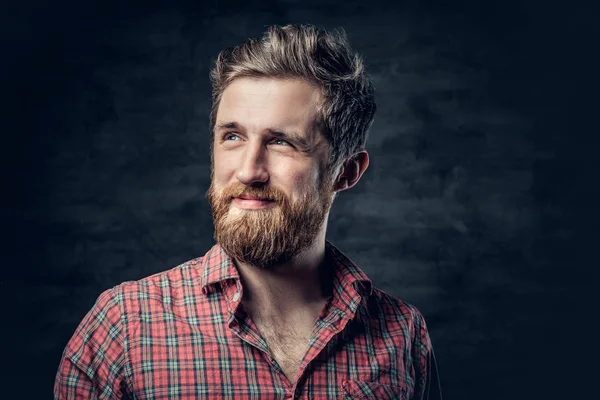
point(252, 203)
point(247, 197)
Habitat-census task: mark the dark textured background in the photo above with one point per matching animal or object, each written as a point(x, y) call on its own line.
point(478, 207)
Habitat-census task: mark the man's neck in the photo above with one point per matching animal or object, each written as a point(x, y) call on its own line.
point(303, 282)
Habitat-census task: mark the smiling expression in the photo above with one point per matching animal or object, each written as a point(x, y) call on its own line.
point(268, 194)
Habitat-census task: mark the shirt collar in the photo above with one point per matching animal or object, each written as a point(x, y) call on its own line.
point(218, 267)
point(346, 273)
point(349, 280)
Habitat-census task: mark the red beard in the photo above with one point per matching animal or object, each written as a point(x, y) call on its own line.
point(270, 236)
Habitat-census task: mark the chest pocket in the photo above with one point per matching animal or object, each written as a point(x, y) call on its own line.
point(355, 390)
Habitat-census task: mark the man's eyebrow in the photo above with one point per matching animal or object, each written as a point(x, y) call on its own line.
point(291, 137)
point(227, 125)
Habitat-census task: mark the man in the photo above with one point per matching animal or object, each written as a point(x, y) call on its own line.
point(273, 310)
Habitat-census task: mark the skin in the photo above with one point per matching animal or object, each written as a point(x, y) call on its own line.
point(250, 155)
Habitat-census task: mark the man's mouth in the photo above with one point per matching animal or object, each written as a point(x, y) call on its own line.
point(251, 202)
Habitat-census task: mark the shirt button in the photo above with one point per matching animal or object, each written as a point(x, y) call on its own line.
point(236, 296)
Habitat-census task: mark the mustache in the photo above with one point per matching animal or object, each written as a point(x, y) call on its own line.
point(264, 193)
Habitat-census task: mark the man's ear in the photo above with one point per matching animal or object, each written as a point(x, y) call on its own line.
point(352, 170)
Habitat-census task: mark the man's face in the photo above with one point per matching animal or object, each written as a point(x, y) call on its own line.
point(266, 146)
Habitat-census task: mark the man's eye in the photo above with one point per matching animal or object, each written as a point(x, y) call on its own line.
point(229, 136)
point(281, 141)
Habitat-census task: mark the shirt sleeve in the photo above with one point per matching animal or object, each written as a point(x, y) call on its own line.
point(427, 379)
point(92, 365)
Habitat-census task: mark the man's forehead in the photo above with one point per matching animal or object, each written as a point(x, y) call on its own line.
point(289, 97)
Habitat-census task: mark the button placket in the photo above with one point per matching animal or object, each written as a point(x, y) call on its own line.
point(233, 295)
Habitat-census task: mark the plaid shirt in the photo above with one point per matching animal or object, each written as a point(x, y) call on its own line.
point(181, 334)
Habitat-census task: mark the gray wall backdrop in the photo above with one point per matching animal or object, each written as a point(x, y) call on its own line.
point(481, 175)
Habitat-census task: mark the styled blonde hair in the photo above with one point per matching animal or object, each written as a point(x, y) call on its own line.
point(323, 58)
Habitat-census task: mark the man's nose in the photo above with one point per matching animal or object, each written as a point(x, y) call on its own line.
point(253, 168)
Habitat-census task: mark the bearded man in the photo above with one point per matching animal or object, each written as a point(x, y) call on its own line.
point(273, 310)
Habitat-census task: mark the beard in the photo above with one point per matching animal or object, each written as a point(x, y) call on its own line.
point(270, 236)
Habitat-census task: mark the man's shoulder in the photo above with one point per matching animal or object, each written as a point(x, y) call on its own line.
point(176, 283)
point(394, 309)
point(183, 274)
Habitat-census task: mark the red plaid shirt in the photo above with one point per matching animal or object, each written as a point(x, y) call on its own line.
point(181, 334)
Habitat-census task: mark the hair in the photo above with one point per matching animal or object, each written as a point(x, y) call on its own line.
point(326, 59)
